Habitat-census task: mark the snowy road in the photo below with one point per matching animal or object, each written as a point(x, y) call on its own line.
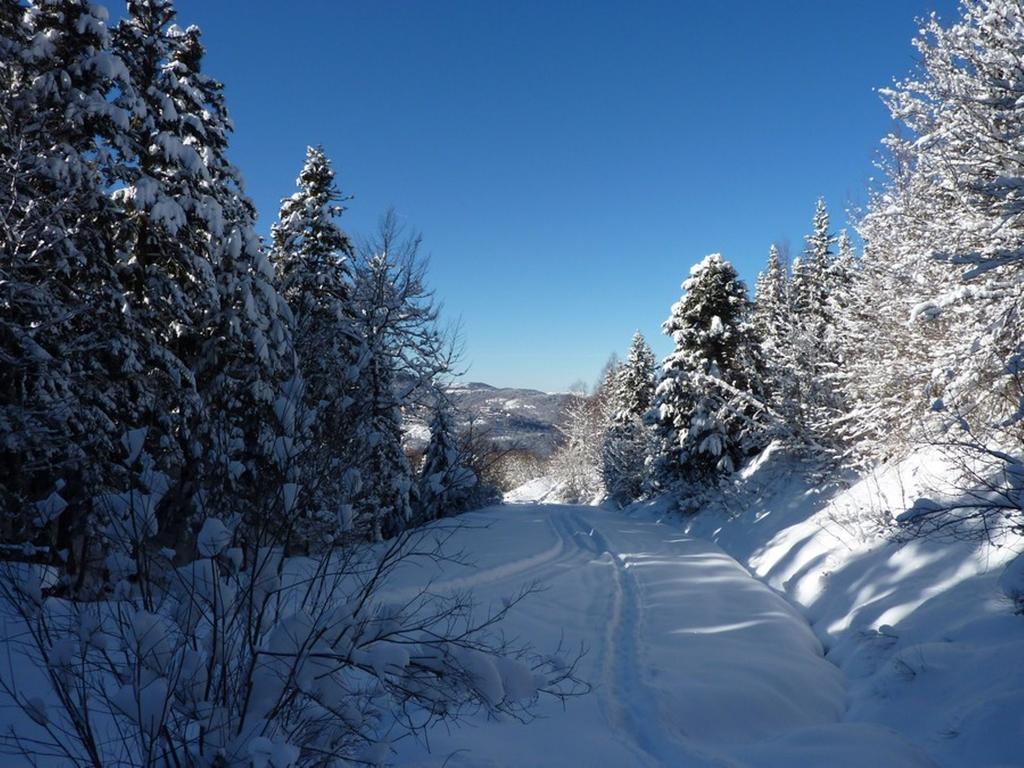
point(694, 662)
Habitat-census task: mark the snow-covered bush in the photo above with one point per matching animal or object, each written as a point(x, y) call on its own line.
point(244, 657)
point(983, 498)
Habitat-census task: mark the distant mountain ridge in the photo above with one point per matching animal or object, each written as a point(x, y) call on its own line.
point(526, 418)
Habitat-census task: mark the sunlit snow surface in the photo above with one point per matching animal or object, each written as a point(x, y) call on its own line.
point(843, 649)
point(693, 661)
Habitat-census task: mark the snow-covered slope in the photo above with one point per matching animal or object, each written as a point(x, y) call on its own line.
point(928, 643)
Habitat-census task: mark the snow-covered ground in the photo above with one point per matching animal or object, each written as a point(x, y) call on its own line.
point(780, 631)
point(843, 648)
point(694, 662)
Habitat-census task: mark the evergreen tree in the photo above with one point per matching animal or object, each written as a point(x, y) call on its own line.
point(819, 251)
point(200, 281)
point(841, 273)
point(809, 292)
point(624, 446)
point(74, 372)
point(773, 323)
point(313, 257)
point(384, 501)
point(636, 379)
point(708, 396)
point(771, 302)
point(446, 484)
point(809, 395)
point(162, 238)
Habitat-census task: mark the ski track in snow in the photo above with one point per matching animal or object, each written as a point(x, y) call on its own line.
point(520, 570)
point(622, 675)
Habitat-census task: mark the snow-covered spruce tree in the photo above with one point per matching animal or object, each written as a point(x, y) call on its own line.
point(815, 403)
point(625, 443)
point(635, 380)
point(315, 275)
point(74, 369)
point(707, 404)
point(772, 321)
point(163, 233)
point(406, 353)
point(201, 278)
point(446, 484)
point(840, 277)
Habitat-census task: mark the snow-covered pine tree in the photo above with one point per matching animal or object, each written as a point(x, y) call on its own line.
point(635, 385)
point(200, 281)
point(625, 443)
point(167, 220)
point(248, 374)
point(162, 238)
point(809, 291)
point(819, 255)
point(315, 273)
point(771, 301)
point(773, 324)
point(446, 484)
point(841, 273)
point(383, 501)
point(814, 404)
point(73, 369)
point(707, 403)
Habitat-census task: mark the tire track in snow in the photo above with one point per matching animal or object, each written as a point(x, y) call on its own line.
point(564, 550)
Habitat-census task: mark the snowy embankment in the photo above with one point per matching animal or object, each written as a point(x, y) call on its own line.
point(694, 662)
point(927, 640)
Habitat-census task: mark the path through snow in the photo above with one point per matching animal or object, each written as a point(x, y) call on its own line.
point(694, 662)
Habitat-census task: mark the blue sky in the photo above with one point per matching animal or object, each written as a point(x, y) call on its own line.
point(566, 162)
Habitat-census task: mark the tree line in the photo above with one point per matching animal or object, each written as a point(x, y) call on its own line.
point(162, 364)
point(855, 357)
point(205, 497)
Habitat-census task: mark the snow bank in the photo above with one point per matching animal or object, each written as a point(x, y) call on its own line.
point(924, 632)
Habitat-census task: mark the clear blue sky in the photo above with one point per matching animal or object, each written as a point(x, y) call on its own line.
point(566, 161)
